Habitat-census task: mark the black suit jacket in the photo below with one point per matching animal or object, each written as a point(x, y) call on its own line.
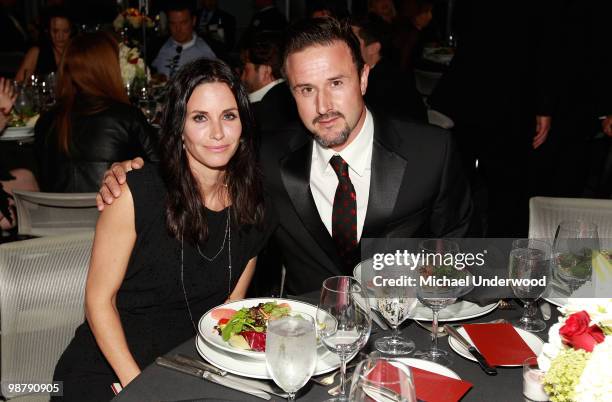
point(417, 189)
point(276, 109)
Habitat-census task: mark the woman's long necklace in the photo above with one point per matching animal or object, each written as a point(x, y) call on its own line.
point(228, 236)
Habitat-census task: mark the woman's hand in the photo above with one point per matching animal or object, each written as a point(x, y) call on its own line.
point(7, 96)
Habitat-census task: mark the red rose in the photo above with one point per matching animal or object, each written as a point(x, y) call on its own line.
point(577, 333)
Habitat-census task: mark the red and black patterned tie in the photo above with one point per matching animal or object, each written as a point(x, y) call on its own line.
point(344, 214)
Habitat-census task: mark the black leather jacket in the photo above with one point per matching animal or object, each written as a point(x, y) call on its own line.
point(117, 133)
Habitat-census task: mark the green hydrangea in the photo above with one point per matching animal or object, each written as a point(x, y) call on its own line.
point(564, 374)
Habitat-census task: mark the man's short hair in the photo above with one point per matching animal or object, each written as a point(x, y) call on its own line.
point(265, 48)
point(181, 5)
point(321, 32)
point(373, 29)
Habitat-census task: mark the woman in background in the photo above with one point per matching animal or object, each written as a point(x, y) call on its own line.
point(45, 58)
point(93, 123)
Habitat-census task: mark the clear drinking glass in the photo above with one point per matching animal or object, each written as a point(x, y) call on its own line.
point(573, 247)
point(529, 264)
point(291, 351)
point(395, 303)
point(343, 320)
point(435, 292)
point(382, 379)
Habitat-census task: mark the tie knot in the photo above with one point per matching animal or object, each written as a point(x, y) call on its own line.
point(340, 167)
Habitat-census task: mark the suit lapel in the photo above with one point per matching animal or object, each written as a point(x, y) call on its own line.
point(385, 179)
point(295, 174)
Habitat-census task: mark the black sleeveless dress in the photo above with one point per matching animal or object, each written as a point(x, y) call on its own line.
point(46, 59)
point(150, 301)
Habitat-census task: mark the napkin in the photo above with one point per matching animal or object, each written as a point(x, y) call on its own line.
point(500, 344)
point(429, 387)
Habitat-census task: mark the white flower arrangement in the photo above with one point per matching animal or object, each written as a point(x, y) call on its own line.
point(584, 377)
point(131, 64)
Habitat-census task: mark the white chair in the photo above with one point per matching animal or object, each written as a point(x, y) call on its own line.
point(49, 214)
point(426, 81)
point(545, 214)
point(42, 290)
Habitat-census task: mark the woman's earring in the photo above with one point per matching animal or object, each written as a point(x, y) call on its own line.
point(183, 141)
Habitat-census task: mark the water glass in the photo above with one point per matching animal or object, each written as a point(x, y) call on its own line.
point(343, 320)
point(573, 248)
point(529, 268)
point(291, 351)
point(382, 379)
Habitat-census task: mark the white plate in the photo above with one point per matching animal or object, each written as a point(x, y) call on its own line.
point(206, 326)
point(16, 133)
point(533, 341)
point(256, 368)
point(462, 310)
point(429, 366)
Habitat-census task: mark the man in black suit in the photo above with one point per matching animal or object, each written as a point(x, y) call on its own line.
point(404, 179)
point(273, 105)
point(347, 174)
point(390, 90)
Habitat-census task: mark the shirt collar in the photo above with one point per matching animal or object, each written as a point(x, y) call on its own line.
point(189, 44)
point(261, 92)
point(357, 154)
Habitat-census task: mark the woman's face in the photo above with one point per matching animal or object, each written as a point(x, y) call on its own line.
point(59, 29)
point(212, 127)
point(423, 19)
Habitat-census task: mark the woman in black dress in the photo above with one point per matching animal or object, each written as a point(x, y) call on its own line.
point(46, 56)
point(182, 238)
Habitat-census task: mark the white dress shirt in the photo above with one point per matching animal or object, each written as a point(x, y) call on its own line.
point(323, 179)
point(258, 95)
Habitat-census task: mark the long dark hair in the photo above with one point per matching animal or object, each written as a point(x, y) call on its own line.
point(185, 214)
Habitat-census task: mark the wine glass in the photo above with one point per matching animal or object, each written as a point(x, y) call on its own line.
point(382, 379)
point(529, 268)
point(343, 320)
point(24, 104)
point(439, 286)
point(291, 351)
point(395, 303)
point(573, 247)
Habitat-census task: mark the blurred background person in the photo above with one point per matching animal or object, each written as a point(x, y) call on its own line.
point(183, 45)
point(93, 123)
point(385, 9)
point(390, 91)
point(267, 17)
point(45, 57)
point(408, 36)
point(327, 8)
point(271, 100)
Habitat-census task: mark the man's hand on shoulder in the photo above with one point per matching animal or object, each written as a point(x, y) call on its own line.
point(113, 179)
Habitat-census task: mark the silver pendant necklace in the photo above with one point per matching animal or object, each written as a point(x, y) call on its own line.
point(228, 236)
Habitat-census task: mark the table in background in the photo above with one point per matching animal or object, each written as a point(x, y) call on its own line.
point(160, 384)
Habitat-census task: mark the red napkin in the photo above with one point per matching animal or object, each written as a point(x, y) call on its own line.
point(429, 387)
point(499, 343)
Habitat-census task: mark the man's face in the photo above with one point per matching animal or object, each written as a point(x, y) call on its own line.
point(181, 25)
point(251, 77)
point(328, 91)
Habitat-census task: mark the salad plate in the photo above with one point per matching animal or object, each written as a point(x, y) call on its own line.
point(256, 368)
point(461, 310)
point(533, 341)
point(16, 133)
point(209, 323)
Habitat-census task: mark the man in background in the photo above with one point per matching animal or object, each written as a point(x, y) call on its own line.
point(183, 45)
point(273, 105)
point(217, 27)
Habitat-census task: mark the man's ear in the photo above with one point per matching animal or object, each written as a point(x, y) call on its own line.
point(193, 21)
point(363, 80)
point(375, 48)
point(265, 73)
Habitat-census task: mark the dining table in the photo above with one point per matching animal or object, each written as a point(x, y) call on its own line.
point(158, 384)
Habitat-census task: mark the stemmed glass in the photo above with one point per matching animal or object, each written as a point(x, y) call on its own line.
point(435, 292)
point(24, 104)
point(291, 351)
point(395, 303)
point(529, 268)
point(343, 320)
point(573, 247)
point(382, 379)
